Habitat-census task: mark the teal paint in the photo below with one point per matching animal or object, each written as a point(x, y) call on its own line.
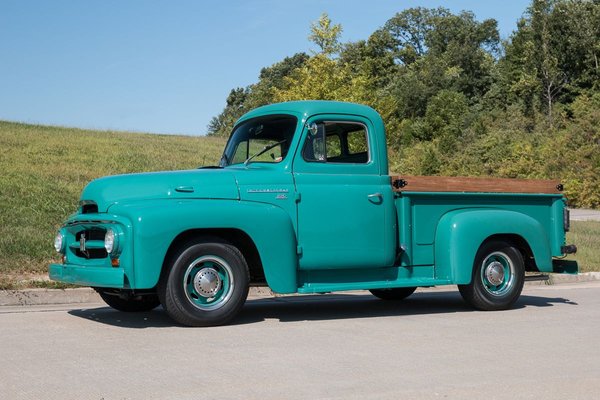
point(86, 275)
point(154, 230)
point(313, 224)
point(460, 233)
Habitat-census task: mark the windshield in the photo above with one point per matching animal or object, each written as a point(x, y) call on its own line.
point(263, 139)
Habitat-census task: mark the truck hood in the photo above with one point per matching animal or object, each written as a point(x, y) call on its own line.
point(198, 184)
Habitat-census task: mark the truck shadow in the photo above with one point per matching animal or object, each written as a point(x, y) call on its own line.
point(316, 308)
point(340, 306)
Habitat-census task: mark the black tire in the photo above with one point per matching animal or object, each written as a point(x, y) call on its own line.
point(497, 279)
point(394, 293)
point(206, 284)
point(138, 303)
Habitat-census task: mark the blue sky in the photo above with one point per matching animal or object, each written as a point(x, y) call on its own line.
point(167, 66)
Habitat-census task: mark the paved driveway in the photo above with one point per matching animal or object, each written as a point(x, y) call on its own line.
point(580, 214)
point(345, 346)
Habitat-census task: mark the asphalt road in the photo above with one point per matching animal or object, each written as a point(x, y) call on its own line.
point(343, 346)
point(581, 214)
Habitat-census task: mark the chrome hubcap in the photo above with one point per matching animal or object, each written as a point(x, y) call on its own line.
point(498, 274)
point(494, 273)
point(207, 282)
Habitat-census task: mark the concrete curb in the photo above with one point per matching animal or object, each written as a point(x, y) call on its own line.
point(556, 279)
point(30, 297)
point(34, 297)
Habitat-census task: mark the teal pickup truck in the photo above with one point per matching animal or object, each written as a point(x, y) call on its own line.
point(302, 202)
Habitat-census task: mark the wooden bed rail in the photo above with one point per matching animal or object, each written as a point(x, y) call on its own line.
point(406, 183)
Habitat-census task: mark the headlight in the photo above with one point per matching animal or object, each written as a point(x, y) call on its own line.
point(59, 242)
point(110, 240)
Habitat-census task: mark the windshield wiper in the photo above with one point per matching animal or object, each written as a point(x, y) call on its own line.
point(264, 150)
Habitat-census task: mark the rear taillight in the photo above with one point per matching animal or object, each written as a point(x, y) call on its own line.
point(566, 219)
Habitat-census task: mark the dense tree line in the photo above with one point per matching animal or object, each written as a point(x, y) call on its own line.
point(456, 99)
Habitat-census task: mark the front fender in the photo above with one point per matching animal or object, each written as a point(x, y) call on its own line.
point(460, 233)
point(156, 224)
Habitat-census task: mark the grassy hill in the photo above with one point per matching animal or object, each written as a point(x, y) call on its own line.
point(43, 170)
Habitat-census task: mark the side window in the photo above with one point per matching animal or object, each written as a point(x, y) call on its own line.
point(337, 142)
point(357, 141)
point(333, 146)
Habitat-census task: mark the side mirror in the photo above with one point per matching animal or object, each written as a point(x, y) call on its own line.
point(314, 147)
point(313, 129)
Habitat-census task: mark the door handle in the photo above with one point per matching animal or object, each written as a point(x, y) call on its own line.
point(184, 189)
point(374, 195)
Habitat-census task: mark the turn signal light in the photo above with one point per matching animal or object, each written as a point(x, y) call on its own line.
point(114, 262)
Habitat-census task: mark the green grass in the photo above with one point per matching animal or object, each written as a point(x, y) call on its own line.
point(43, 170)
point(586, 235)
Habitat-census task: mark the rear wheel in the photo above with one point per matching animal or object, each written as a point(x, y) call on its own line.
point(393, 293)
point(134, 303)
point(497, 279)
point(207, 284)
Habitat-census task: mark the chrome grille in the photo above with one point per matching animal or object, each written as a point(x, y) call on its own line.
point(86, 236)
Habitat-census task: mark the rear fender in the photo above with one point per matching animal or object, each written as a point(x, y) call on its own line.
point(460, 233)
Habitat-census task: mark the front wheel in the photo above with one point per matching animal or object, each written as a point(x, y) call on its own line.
point(497, 279)
point(207, 285)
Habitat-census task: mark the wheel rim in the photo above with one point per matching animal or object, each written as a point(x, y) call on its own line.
point(497, 274)
point(208, 282)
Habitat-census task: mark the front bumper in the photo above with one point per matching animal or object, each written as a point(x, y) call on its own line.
point(88, 276)
point(85, 261)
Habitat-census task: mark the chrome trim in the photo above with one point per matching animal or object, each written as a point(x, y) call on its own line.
point(197, 281)
point(207, 282)
point(267, 191)
point(494, 273)
point(82, 243)
point(349, 121)
point(90, 221)
point(491, 270)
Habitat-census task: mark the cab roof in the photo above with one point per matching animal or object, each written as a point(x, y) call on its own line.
point(308, 108)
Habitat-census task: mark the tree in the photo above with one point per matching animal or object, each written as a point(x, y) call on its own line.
point(325, 35)
point(273, 78)
point(553, 55)
point(241, 100)
point(457, 101)
point(552, 78)
point(372, 58)
point(221, 125)
point(437, 50)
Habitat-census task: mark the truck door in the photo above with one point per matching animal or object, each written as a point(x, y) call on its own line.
point(344, 202)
